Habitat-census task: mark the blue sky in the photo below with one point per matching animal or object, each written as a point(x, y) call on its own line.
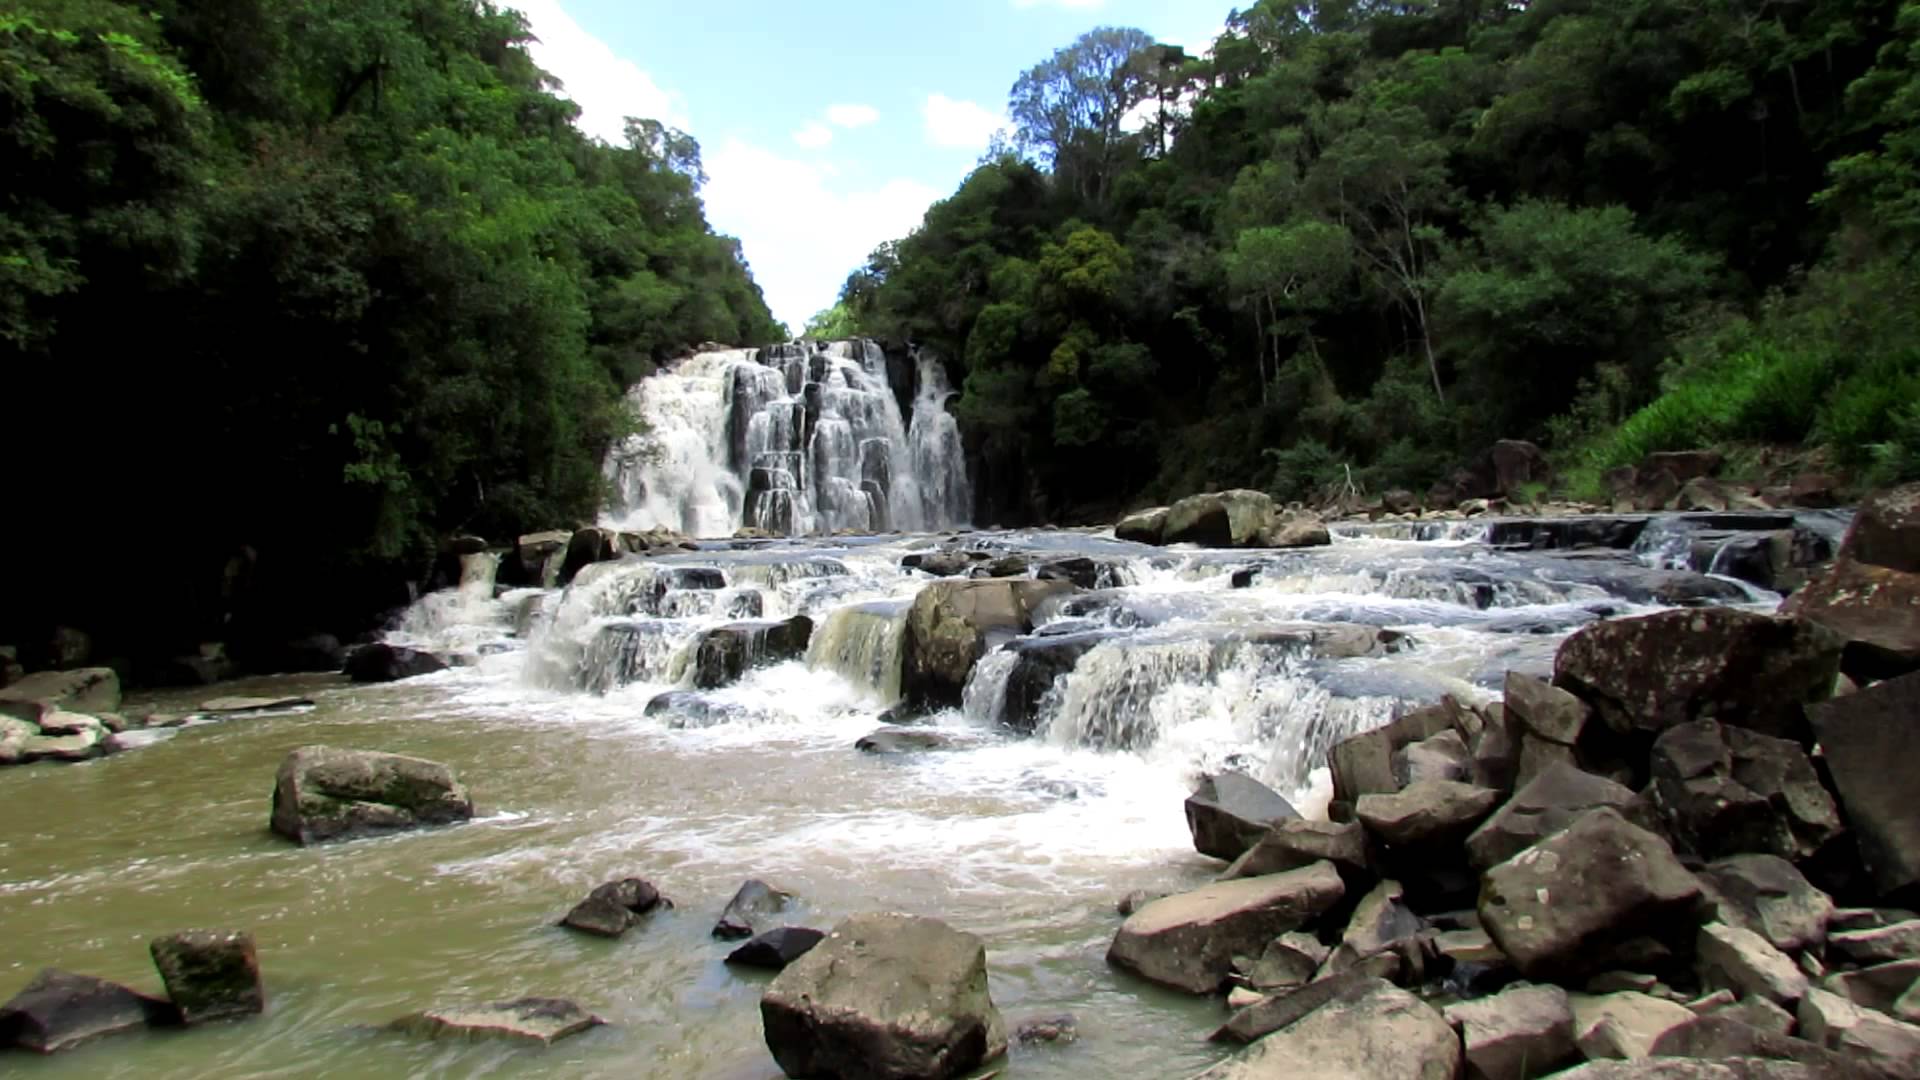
point(827, 126)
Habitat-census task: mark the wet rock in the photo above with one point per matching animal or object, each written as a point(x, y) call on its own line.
point(1134, 901)
point(724, 653)
point(537, 1020)
point(1189, 941)
point(1145, 527)
point(210, 974)
point(1654, 672)
point(689, 709)
point(1519, 1033)
point(382, 663)
point(540, 557)
point(775, 949)
point(1624, 1024)
point(1375, 1030)
point(324, 793)
point(1288, 961)
point(754, 900)
point(59, 1010)
point(892, 997)
point(1230, 812)
point(1876, 1041)
point(1363, 763)
point(1766, 894)
point(1544, 709)
point(1444, 757)
point(1221, 519)
point(1724, 790)
point(1742, 961)
point(944, 563)
point(614, 907)
point(1084, 572)
point(1880, 945)
point(904, 740)
point(1056, 1028)
point(953, 623)
point(1291, 845)
point(1876, 611)
point(1561, 906)
point(587, 547)
point(1861, 736)
point(1552, 801)
point(1438, 812)
point(226, 706)
point(87, 690)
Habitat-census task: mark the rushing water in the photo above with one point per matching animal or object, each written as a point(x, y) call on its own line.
point(1129, 690)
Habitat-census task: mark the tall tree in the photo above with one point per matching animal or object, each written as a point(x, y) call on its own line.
point(1070, 110)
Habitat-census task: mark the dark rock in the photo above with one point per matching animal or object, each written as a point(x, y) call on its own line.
point(1724, 790)
point(536, 1020)
point(1039, 661)
point(613, 908)
point(210, 974)
point(1381, 921)
point(1229, 813)
point(1293, 844)
point(1651, 673)
point(1886, 530)
point(1564, 905)
point(953, 623)
point(1363, 764)
point(1551, 802)
point(1056, 1028)
point(1876, 611)
point(1438, 812)
point(1766, 894)
point(1375, 1030)
point(943, 563)
point(1189, 941)
point(754, 900)
point(311, 653)
point(724, 653)
point(889, 997)
point(381, 663)
point(59, 1010)
point(775, 949)
point(904, 740)
point(589, 546)
point(1517, 1034)
point(1868, 739)
point(323, 793)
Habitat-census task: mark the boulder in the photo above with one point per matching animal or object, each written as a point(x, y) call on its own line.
point(724, 653)
point(1363, 764)
point(1878, 945)
point(1861, 736)
point(1376, 1030)
point(1544, 709)
point(1731, 958)
point(754, 900)
point(953, 623)
point(1276, 1011)
point(1874, 610)
point(1768, 895)
point(891, 997)
point(1689, 1069)
point(1437, 812)
point(1220, 519)
point(947, 562)
point(1653, 672)
point(538, 1020)
point(1380, 921)
point(210, 974)
point(382, 663)
point(1189, 941)
point(1230, 812)
point(324, 793)
point(1563, 906)
point(1288, 961)
point(1443, 757)
point(1625, 1024)
point(613, 908)
point(1294, 531)
point(1724, 790)
point(87, 690)
point(1517, 1034)
point(775, 949)
point(59, 1010)
point(1551, 802)
point(1722, 1037)
point(1886, 530)
point(1876, 1041)
point(1145, 527)
point(1293, 844)
point(541, 556)
point(904, 740)
point(589, 546)
point(1892, 988)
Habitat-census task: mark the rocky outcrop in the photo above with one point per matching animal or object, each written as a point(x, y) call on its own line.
point(537, 1020)
point(1651, 673)
point(776, 949)
point(891, 997)
point(1189, 941)
point(754, 900)
point(210, 974)
point(1229, 813)
point(615, 907)
point(540, 557)
point(953, 623)
point(324, 793)
point(1375, 1030)
point(382, 663)
point(59, 1010)
point(1145, 527)
point(1724, 790)
point(1867, 739)
point(724, 653)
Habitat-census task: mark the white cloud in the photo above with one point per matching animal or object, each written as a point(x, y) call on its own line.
point(803, 235)
point(962, 125)
point(852, 116)
point(607, 88)
point(814, 136)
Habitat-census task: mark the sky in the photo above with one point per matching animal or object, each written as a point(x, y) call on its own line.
point(827, 126)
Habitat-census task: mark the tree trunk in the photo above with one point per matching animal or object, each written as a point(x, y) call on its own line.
point(1426, 341)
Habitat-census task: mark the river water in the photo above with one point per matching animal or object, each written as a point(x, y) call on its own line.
point(1025, 840)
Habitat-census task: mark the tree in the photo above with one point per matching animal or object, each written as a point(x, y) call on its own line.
point(1288, 274)
point(1069, 111)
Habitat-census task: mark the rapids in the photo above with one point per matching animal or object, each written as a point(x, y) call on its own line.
point(1074, 749)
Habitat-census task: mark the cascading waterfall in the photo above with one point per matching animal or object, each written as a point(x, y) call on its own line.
point(795, 439)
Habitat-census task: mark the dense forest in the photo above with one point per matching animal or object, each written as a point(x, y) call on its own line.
point(290, 289)
point(1363, 240)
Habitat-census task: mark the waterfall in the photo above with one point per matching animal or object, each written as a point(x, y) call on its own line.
point(863, 643)
point(796, 439)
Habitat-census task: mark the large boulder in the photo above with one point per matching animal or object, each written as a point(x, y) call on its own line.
point(1517, 1034)
point(1363, 764)
point(1543, 709)
point(589, 546)
point(1295, 531)
point(1650, 673)
point(952, 624)
point(87, 690)
point(541, 556)
point(1868, 739)
point(1553, 800)
point(1219, 519)
point(1724, 790)
point(1438, 812)
point(1144, 527)
point(1876, 611)
point(1730, 958)
point(381, 663)
point(1624, 1024)
point(1291, 845)
point(1886, 530)
point(1229, 812)
point(210, 974)
point(890, 997)
point(1768, 895)
point(59, 1010)
point(1376, 1030)
point(1565, 905)
point(539, 1021)
point(1189, 941)
point(325, 793)
point(724, 653)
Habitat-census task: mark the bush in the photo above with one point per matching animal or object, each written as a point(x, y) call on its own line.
point(1766, 393)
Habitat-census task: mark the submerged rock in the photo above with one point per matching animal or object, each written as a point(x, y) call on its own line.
point(754, 900)
point(210, 974)
point(538, 1020)
point(904, 740)
point(324, 793)
point(613, 908)
point(776, 949)
point(889, 997)
point(59, 1010)
point(382, 663)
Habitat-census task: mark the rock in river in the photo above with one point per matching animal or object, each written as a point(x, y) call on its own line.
point(59, 1010)
point(953, 623)
point(210, 974)
point(754, 900)
point(613, 908)
point(1189, 941)
point(776, 949)
point(537, 1020)
point(1229, 813)
point(325, 793)
point(381, 663)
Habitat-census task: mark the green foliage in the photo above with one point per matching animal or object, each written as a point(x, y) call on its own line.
point(837, 323)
